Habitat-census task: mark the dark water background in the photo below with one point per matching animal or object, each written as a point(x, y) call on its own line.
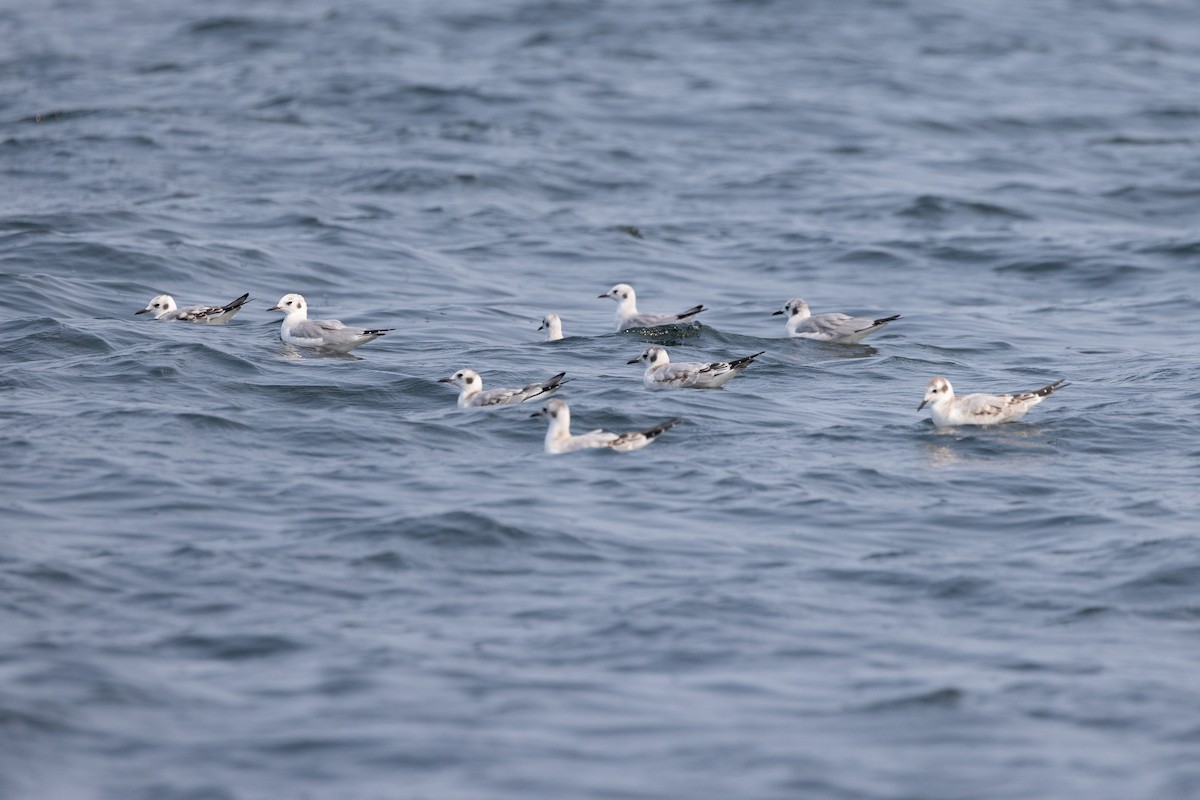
point(228, 572)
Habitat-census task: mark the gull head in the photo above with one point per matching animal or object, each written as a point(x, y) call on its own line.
point(163, 304)
point(622, 293)
point(466, 379)
point(291, 304)
point(937, 388)
point(552, 325)
point(653, 356)
point(556, 410)
point(793, 307)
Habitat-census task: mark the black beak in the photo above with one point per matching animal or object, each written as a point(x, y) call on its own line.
point(535, 415)
point(143, 311)
point(602, 296)
point(923, 402)
point(636, 360)
point(274, 308)
point(543, 325)
point(445, 380)
point(777, 313)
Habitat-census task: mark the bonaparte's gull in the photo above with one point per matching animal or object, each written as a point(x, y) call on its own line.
point(560, 440)
point(628, 316)
point(163, 307)
point(831, 327)
point(326, 334)
point(980, 409)
point(661, 373)
point(552, 325)
point(473, 396)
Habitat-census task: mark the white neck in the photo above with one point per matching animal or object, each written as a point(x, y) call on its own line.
point(795, 319)
point(292, 316)
point(627, 306)
point(469, 391)
point(554, 330)
point(560, 428)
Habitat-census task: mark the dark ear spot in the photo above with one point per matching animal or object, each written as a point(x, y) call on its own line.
point(470, 380)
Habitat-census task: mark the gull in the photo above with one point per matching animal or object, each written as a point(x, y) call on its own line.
point(326, 334)
point(661, 373)
point(473, 396)
point(628, 316)
point(560, 440)
point(980, 409)
point(831, 327)
point(163, 307)
point(552, 325)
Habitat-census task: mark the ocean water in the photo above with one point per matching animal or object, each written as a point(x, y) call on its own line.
point(232, 570)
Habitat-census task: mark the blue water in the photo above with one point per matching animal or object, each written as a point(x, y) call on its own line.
point(231, 570)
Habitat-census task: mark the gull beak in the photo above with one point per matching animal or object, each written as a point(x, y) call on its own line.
point(634, 361)
point(602, 296)
point(776, 313)
point(923, 402)
point(541, 327)
point(274, 308)
point(536, 414)
point(445, 380)
point(143, 311)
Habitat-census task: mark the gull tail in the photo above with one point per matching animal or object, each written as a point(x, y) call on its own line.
point(236, 304)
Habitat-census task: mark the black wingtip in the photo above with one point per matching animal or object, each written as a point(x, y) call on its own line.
point(1050, 389)
point(661, 428)
point(377, 331)
point(241, 301)
point(691, 312)
point(886, 320)
point(745, 361)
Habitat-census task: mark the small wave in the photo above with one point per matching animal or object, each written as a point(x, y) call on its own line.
point(934, 207)
point(947, 697)
point(232, 647)
point(453, 529)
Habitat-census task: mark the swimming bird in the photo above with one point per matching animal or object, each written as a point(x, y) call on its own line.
point(830, 327)
point(980, 409)
point(628, 316)
point(325, 334)
point(560, 440)
point(552, 325)
point(473, 396)
point(163, 307)
point(661, 373)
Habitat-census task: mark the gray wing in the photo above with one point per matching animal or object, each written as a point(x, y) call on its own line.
point(330, 332)
point(194, 313)
point(834, 324)
point(678, 374)
point(647, 320)
point(650, 320)
point(987, 406)
point(498, 397)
